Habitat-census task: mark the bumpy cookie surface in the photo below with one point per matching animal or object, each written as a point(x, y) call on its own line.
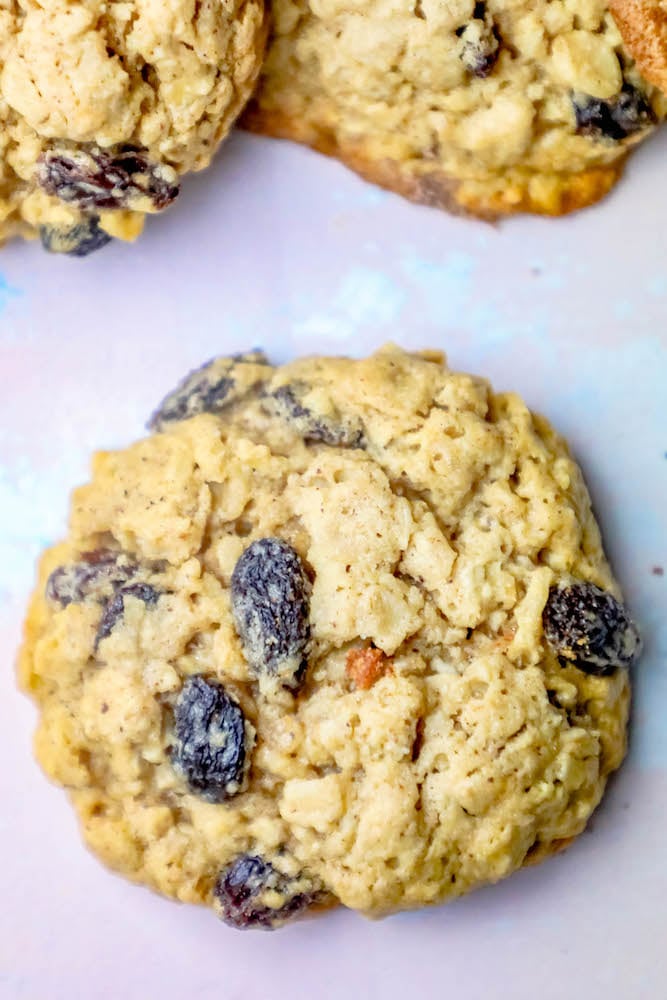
point(103, 106)
point(338, 631)
point(486, 108)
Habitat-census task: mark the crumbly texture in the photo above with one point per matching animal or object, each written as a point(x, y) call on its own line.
point(643, 25)
point(88, 78)
point(435, 743)
point(472, 107)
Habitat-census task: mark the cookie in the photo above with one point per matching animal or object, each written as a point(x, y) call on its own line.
point(336, 632)
point(104, 107)
point(481, 108)
point(643, 25)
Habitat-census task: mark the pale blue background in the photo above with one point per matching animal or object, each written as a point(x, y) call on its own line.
point(278, 247)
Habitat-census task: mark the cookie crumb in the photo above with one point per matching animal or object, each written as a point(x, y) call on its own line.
point(365, 666)
point(506, 637)
point(658, 571)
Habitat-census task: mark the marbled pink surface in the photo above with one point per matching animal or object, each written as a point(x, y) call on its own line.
point(280, 248)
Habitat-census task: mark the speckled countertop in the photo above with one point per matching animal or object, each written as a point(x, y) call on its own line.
point(280, 248)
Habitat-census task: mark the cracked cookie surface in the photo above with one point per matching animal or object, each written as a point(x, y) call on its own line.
point(470, 106)
point(277, 670)
point(103, 107)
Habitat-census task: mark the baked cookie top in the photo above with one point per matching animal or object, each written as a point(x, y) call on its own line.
point(103, 106)
point(337, 631)
point(480, 107)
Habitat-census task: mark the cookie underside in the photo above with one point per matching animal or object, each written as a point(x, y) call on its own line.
point(561, 195)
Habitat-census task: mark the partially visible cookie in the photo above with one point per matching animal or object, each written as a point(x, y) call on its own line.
point(486, 108)
point(643, 25)
point(104, 107)
point(338, 632)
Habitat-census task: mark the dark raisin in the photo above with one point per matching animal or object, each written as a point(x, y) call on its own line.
point(616, 118)
point(286, 402)
point(92, 178)
point(270, 605)
point(208, 389)
point(590, 628)
point(115, 609)
point(96, 574)
point(212, 740)
point(553, 699)
point(241, 893)
point(76, 241)
point(480, 42)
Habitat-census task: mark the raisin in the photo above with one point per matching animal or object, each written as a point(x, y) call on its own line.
point(115, 609)
point(76, 241)
point(480, 42)
point(614, 119)
point(241, 893)
point(590, 628)
point(286, 402)
point(92, 178)
point(208, 389)
point(97, 574)
point(212, 739)
point(270, 605)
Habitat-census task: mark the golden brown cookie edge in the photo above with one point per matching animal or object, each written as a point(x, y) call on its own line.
point(643, 27)
point(434, 189)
